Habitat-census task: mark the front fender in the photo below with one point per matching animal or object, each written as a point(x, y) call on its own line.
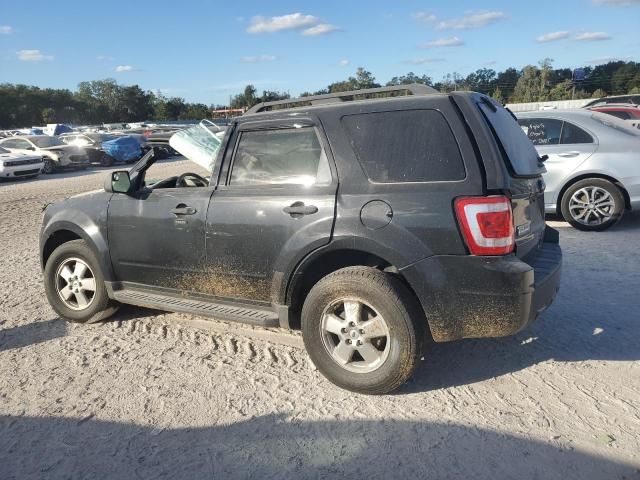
point(87, 220)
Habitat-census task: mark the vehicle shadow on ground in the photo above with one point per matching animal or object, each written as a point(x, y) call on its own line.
point(31, 334)
point(272, 447)
point(590, 319)
point(42, 331)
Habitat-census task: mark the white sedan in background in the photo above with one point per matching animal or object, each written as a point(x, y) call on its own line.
point(19, 165)
point(55, 152)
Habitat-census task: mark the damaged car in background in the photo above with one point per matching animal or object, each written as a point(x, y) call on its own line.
point(56, 154)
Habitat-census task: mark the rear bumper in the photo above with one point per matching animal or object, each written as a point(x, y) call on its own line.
point(472, 297)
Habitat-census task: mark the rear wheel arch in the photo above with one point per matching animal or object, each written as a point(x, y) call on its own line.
point(315, 268)
point(585, 176)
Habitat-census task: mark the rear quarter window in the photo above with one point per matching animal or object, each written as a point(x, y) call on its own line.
point(405, 146)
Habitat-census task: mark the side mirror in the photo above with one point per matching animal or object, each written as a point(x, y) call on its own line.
point(118, 182)
point(31, 148)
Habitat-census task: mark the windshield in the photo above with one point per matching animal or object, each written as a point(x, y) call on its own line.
point(200, 143)
point(614, 122)
point(46, 142)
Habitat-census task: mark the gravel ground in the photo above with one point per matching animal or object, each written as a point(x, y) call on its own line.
point(155, 395)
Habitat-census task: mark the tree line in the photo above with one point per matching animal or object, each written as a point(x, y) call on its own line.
point(106, 101)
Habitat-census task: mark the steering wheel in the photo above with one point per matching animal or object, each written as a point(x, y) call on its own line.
point(199, 181)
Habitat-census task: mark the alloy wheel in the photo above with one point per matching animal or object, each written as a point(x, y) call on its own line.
point(355, 335)
point(592, 206)
point(75, 284)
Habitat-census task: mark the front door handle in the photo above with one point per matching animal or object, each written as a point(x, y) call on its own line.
point(568, 154)
point(184, 210)
point(298, 209)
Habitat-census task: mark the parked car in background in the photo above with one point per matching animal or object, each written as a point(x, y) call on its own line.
point(91, 143)
point(19, 165)
point(593, 165)
point(55, 153)
point(124, 148)
point(628, 99)
point(626, 112)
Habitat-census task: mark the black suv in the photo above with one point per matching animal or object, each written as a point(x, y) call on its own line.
point(370, 224)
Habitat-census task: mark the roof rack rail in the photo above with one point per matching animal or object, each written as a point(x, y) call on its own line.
point(338, 97)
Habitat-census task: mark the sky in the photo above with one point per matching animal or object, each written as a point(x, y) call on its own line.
point(206, 50)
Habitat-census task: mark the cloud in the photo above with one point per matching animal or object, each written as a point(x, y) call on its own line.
point(258, 58)
point(425, 17)
point(553, 36)
point(592, 37)
point(344, 62)
point(320, 29)
point(423, 60)
point(6, 30)
point(293, 21)
point(124, 68)
point(444, 42)
point(33, 56)
point(489, 63)
point(472, 20)
point(617, 3)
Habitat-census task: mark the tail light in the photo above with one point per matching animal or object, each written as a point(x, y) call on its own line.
point(487, 224)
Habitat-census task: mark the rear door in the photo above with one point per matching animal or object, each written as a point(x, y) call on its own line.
point(566, 145)
point(274, 205)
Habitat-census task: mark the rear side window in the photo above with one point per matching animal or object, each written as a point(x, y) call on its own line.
point(514, 144)
point(571, 134)
point(405, 146)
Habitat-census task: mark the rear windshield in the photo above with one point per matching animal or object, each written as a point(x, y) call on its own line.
point(613, 122)
point(405, 146)
point(514, 144)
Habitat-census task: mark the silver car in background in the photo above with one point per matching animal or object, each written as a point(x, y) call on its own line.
point(593, 165)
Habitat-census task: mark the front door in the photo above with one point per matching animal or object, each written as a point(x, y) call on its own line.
point(157, 236)
point(274, 205)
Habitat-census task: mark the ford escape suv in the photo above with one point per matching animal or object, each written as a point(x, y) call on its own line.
point(371, 224)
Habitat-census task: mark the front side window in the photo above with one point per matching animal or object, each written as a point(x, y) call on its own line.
point(542, 131)
point(283, 156)
point(572, 134)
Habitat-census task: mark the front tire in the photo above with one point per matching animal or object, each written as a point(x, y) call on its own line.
point(74, 284)
point(363, 330)
point(49, 166)
point(592, 204)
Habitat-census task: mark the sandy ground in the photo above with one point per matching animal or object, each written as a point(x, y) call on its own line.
point(154, 395)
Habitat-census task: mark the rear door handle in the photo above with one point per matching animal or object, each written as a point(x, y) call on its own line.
point(184, 210)
point(298, 209)
point(568, 154)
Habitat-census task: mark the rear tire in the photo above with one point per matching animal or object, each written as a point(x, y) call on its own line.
point(76, 261)
point(106, 160)
point(592, 204)
point(372, 348)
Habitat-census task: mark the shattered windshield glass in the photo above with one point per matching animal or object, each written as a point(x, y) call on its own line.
point(199, 143)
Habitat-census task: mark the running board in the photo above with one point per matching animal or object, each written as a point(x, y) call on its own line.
point(220, 311)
